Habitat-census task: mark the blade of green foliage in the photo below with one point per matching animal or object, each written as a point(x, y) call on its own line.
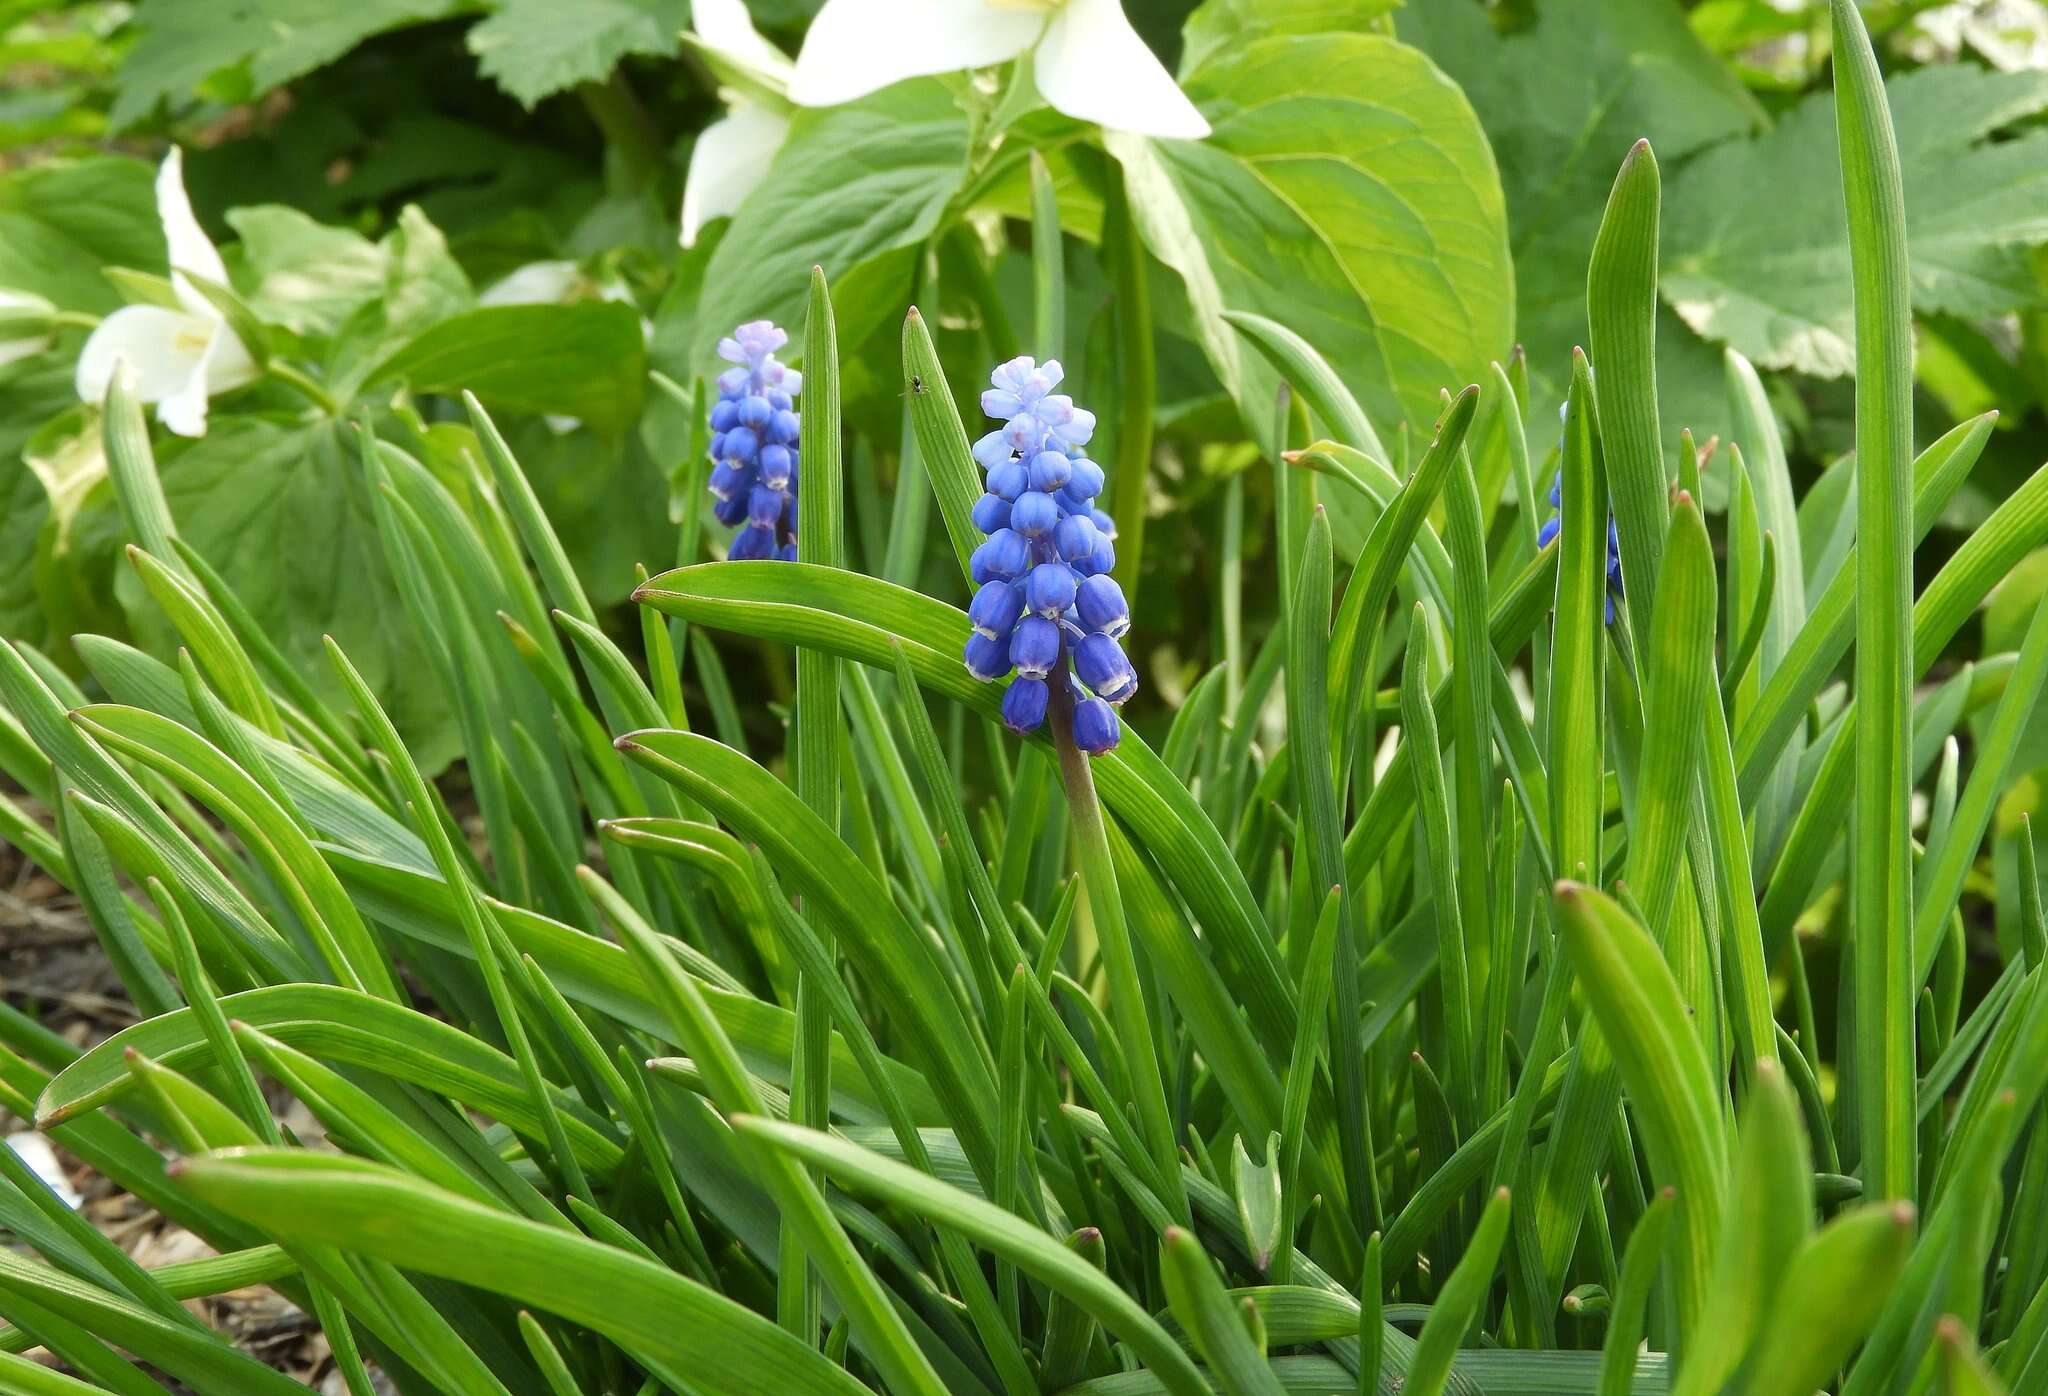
point(1883, 1061)
point(1621, 311)
point(1833, 1285)
point(1769, 1214)
point(867, 620)
point(642, 1305)
point(1458, 1302)
point(1205, 1310)
point(1034, 1252)
point(1636, 1003)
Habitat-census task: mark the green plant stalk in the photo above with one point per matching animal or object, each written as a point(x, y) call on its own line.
point(1322, 831)
point(1120, 964)
point(819, 739)
point(1137, 384)
point(1881, 821)
point(304, 385)
point(1048, 272)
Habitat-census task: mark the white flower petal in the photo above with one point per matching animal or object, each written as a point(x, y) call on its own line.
point(13, 349)
point(855, 47)
point(225, 364)
point(34, 1150)
point(190, 248)
point(228, 362)
point(726, 26)
point(731, 156)
point(1092, 64)
point(162, 348)
point(536, 283)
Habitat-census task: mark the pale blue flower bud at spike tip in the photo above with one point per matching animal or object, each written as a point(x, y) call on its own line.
point(1045, 594)
point(754, 443)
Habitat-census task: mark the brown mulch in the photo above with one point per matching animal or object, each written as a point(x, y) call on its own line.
point(52, 969)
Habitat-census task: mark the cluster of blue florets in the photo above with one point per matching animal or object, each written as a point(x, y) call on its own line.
point(754, 428)
point(1555, 522)
point(1045, 595)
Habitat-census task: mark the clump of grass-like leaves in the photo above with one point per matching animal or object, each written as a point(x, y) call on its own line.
point(1461, 1040)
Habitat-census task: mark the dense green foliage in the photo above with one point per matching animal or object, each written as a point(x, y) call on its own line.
point(1481, 967)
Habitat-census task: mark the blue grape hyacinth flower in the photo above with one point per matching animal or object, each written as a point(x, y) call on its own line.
point(754, 430)
point(1046, 606)
point(1555, 522)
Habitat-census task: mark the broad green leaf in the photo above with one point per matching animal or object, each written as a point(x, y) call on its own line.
point(251, 47)
point(586, 361)
point(535, 48)
point(283, 513)
point(1562, 98)
point(61, 221)
point(854, 189)
point(1779, 289)
point(1346, 189)
point(1217, 25)
point(304, 275)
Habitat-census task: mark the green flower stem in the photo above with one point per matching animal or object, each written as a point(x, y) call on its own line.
point(304, 385)
point(74, 319)
point(1126, 995)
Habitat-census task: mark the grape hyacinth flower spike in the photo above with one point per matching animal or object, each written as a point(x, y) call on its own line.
point(1555, 522)
point(754, 429)
point(1046, 606)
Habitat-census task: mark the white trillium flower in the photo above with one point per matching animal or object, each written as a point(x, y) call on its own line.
point(536, 283)
point(732, 155)
point(180, 357)
point(1086, 59)
point(730, 159)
